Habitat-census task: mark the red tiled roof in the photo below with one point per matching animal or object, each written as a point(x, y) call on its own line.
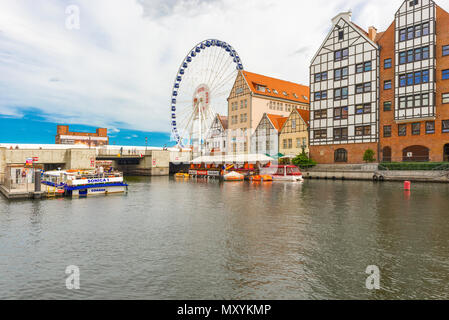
point(293, 91)
point(277, 121)
point(224, 121)
point(305, 115)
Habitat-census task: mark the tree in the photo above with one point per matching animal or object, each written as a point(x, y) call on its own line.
point(303, 161)
point(369, 156)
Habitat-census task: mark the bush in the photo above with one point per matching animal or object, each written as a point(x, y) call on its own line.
point(369, 156)
point(303, 161)
point(426, 166)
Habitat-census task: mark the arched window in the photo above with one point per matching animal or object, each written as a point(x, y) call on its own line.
point(341, 155)
point(386, 154)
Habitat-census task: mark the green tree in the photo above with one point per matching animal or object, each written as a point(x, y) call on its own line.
point(303, 161)
point(369, 156)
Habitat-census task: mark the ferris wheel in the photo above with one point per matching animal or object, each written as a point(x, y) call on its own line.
point(202, 86)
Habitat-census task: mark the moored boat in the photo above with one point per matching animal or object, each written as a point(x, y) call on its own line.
point(77, 183)
point(284, 173)
point(233, 176)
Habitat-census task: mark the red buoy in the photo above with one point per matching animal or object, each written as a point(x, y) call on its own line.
point(407, 185)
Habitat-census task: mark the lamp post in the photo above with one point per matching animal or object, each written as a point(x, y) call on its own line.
point(146, 145)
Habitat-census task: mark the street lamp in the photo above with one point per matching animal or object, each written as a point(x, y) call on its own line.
point(146, 144)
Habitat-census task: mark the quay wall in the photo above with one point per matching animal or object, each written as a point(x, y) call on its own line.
point(371, 172)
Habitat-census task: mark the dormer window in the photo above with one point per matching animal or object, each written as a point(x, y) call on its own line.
point(284, 93)
point(294, 94)
point(275, 91)
point(260, 88)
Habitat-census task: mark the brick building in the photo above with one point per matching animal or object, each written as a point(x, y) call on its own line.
point(99, 138)
point(395, 93)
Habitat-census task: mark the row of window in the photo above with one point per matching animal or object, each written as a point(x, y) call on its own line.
point(416, 128)
point(243, 118)
point(414, 78)
point(388, 63)
point(300, 142)
point(342, 93)
point(342, 133)
point(413, 32)
point(280, 106)
point(341, 113)
point(405, 102)
point(235, 105)
point(342, 73)
point(414, 55)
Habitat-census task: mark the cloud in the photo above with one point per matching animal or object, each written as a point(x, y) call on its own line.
point(118, 69)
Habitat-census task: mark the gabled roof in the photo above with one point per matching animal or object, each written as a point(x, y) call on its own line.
point(277, 121)
point(285, 90)
point(305, 115)
point(224, 121)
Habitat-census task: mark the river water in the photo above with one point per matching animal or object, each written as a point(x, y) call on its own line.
point(169, 239)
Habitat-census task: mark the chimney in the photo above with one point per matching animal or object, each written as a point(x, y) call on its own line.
point(372, 33)
point(345, 15)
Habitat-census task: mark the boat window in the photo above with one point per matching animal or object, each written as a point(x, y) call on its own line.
point(292, 170)
point(280, 171)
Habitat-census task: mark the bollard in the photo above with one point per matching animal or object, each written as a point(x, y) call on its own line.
point(407, 186)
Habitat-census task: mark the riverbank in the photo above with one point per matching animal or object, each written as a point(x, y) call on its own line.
point(371, 172)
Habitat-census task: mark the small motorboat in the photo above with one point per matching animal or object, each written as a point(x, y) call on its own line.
point(284, 173)
point(182, 175)
point(233, 176)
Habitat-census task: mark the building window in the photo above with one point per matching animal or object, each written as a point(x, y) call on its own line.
point(403, 35)
point(341, 54)
point(320, 76)
point(402, 130)
point(340, 134)
point(445, 126)
point(341, 113)
point(320, 114)
point(419, 100)
point(363, 87)
point(425, 29)
point(445, 74)
point(387, 131)
point(341, 155)
point(320, 134)
point(284, 143)
point(387, 85)
point(412, 55)
point(445, 50)
point(322, 95)
point(341, 93)
point(416, 129)
point(387, 106)
point(340, 74)
point(411, 79)
point(430, 127)
point(290, 143)
point(445, 97)
point(363, 108)
point(387, 63)
point(413, 3)
point(341, 35)
point(363, 131)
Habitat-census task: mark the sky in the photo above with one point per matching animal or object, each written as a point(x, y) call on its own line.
point(117, 69)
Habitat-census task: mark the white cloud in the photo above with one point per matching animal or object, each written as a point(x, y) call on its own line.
point(117, 70)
